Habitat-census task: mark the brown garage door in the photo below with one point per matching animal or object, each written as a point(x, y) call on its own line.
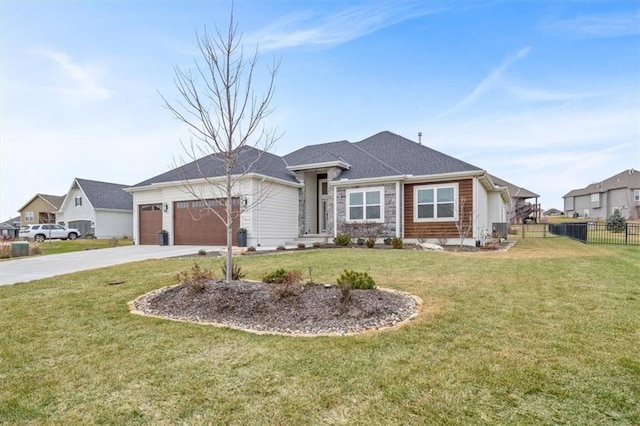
point(194, 223)
point(149, 223)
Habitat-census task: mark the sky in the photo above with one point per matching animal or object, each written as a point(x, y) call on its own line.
point(543, 94)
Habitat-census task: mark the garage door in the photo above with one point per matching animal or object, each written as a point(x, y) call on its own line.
point(83, 226)
point(195, 223)
point(149, 223)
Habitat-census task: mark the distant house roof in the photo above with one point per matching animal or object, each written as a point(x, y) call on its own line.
point(382, 155)
point(250, 160)
point(627, 179)
point(55, 201)
point(105, 195)
point(13, 223)
point(515, 191)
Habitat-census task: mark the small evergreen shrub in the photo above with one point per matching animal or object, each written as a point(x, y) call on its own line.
point(342, 240)
point(371, 242)
point(285, 283)
point(236, 271)
point(275, 277)
point(281, 248)
point(616, 222)
point(202, 252)
point(396, 243)
point(301, 246)
point(356, 280)
point(360, 241)
point(317, 244)
point(387, 241)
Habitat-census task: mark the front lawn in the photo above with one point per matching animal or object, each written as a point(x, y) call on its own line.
point(546, 332)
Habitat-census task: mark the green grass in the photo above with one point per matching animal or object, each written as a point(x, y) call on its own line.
point(59, 246)
point(544, 333)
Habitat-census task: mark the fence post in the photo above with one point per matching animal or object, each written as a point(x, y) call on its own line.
point(626, 233)
point(523, 225)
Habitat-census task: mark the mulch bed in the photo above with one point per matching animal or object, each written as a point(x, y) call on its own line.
point(315, 309)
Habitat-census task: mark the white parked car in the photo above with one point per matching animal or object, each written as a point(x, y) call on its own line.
point(43, 232)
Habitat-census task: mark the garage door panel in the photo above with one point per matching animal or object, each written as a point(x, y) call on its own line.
point(149, 223)
point(198, 222)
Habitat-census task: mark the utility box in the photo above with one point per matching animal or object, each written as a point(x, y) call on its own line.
point(19, 248)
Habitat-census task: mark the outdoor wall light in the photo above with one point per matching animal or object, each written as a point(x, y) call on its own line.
point(166, 207)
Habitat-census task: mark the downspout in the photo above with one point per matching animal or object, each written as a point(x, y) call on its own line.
point(474, 211)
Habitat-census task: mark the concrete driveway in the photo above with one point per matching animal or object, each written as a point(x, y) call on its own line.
point(34, 268)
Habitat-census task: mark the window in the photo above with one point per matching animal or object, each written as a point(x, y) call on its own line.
point(636, 195)
point(29, 216)
point(151, 207)
point(595, 198)
point(78, 201)
point(365, 204)
point(435, 202)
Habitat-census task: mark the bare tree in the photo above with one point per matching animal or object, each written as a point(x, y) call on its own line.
point(225, 119)
point(464, 221)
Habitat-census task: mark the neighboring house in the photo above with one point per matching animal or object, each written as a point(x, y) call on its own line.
point(9, 229)
point(41, 208)
point(415, 191)
point(520, 209)
point(600, 200)
point(102, 208)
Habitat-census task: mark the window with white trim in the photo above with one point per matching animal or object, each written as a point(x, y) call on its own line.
point(29, 216)
point(435, 202)
point(365, 204)
point(595, 197)
point(636, 195)
point(78, 201)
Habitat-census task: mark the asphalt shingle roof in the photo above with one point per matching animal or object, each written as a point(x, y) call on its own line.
point(382, 155)
point(515, 191)
point(250, 160)
point(105, 195)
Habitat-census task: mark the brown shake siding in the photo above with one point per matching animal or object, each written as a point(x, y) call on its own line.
point(435, 229)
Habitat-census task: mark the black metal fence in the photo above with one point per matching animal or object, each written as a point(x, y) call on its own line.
point(587, 232)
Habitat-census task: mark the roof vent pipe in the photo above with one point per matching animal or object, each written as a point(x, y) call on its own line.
point(420, 138)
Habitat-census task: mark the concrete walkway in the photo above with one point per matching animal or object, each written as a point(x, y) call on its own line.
point(36, 267)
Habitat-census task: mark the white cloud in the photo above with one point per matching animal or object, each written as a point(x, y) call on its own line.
point(339, 27)
point(490, 82)
point(597, 26)
point(80, 80)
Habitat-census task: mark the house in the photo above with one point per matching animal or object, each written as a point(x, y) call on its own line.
point(520, 209)
point(41, 208)
point(410, 189)
point(102, 208)
point(9, 228)
point(600, 200)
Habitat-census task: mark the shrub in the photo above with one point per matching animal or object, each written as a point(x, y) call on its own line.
point(301, 246)
point(281, 248)
point(236, 271)
point(34, 248)
point(371, 242)
point(202, 252)
point(342, 240)
point(251, 248)
point(285, 282)
point(360, 241)
point(317, 244)
point(387, 241)
point(616, 223)
point(5, 251)
point(396, 243)
point(277, 276)
point(195, 278)
point(357, 280)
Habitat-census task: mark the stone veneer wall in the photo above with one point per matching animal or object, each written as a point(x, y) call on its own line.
point(390, 217)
